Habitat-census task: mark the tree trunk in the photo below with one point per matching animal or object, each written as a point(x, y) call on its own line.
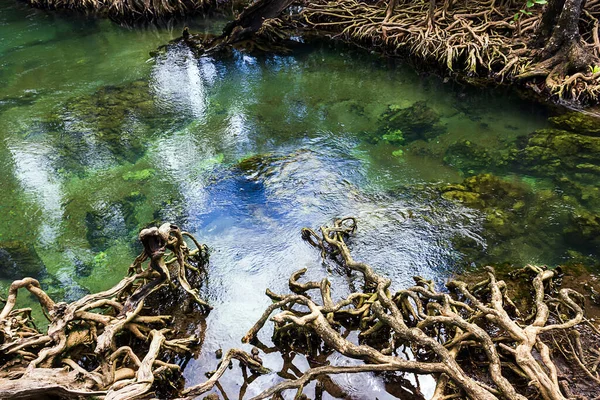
point(563, 24)
point(252, 18)
point(549, 19)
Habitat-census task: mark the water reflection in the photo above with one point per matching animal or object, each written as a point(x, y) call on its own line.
point(36, 176)
point(180, 83)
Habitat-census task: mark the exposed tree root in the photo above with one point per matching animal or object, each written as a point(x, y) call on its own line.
point(479, 38)
point(422, 330)
point(472, 338)
point(108, 343)
point(130, 10)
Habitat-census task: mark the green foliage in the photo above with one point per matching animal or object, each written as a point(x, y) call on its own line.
point(394, 137)
point(525, 11)
point(594, 69)
point(398, 153)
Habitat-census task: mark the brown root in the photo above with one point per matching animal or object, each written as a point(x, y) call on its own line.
point(442, 330)
point(473, 39)
point(130, 10)
point(109, 343)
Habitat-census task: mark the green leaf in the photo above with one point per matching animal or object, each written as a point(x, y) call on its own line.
point(530, 3)
point(542, 2)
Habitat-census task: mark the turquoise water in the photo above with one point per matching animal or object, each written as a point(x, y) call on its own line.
point(98, 139)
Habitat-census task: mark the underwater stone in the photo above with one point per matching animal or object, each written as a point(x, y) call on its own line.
point(264, 165)
point(257, 165)
point(487, 190)
point(19, 260)
point(584, 231)
point(107, 224)
point(553, 151)
point(107, 116)
point(578, 122)
point(468, 156)
point(513, 213)
point(416, 122)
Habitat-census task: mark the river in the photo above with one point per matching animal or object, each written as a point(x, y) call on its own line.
point(98, 139)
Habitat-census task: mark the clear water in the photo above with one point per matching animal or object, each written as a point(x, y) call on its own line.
point(98, 139)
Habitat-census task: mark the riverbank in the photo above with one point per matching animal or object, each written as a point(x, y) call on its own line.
point(537, 47)
point(482, 43)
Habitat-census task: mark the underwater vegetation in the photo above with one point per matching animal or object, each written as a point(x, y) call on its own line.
point(399, 126)
point(538, 190)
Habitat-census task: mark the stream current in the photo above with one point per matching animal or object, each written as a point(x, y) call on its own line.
point(98, 139)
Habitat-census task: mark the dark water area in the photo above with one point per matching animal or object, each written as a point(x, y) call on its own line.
point(98, 139)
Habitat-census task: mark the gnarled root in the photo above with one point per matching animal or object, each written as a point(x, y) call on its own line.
point(480, 38)
point(88, 349)
point(442, 330)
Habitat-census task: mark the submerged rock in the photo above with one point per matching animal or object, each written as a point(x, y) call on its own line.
point(515, 216)
point(553, 152)
point(106, 124)
point(583, 232)
point(107, 224)
point(473, 158)
point(19, 260)
point(403, 125)
point(257, 165)
point(260, 166)
point(578, 122)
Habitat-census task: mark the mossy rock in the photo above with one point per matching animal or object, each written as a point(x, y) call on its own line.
point(583, 232)
point(554, 151)
point(487, 190)
point(111, 222)
point(513, 215)
point(472, 158)
point(107, 119)
point(578, 122)
point(404, 125)
point(260, 166)
point(257, 165)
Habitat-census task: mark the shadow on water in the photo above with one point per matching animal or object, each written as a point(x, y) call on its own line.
point(244, 151)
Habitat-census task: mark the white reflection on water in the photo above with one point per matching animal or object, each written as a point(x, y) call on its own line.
point(36, 175)
point(179, 82)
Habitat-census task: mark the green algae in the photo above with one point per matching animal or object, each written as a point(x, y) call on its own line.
point(514, 214)
point(578, 122)
point(140, 175)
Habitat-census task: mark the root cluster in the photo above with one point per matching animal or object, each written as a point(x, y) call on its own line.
point(453, 334)
point(115, 343)
point(129, 10)
point(479, 39)
point(472, 338)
